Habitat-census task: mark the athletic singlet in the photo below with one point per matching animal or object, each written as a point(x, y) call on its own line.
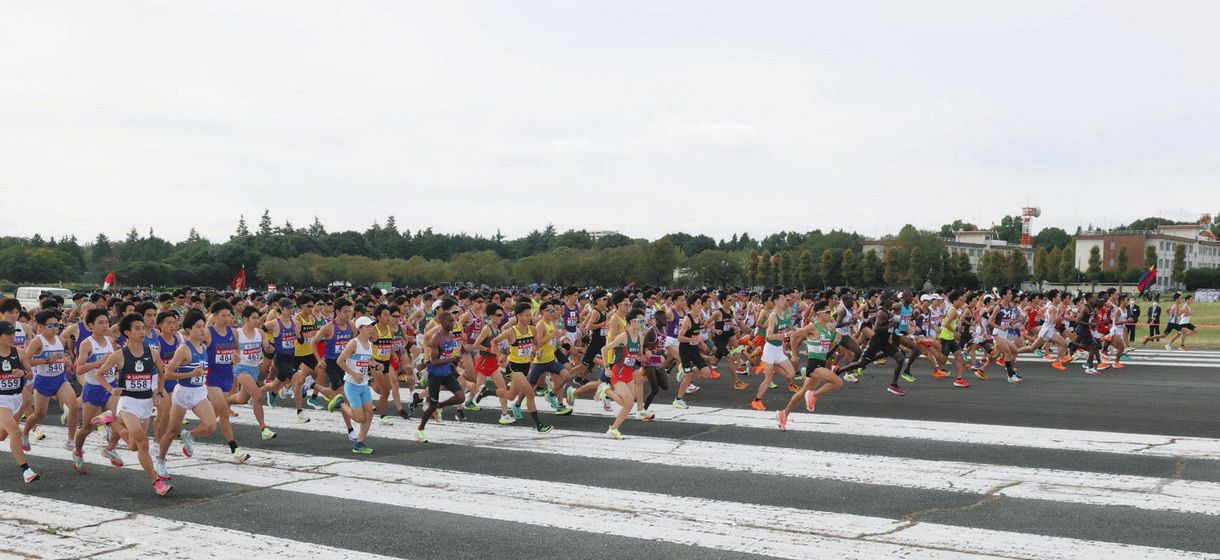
point(83, 332)
point(286, 339)
point(199, 359)
point(449, 347)
point(19, 335)
point(844, 326)
point(671, 324)
point(571, 318)
point(136, 375)
point(905, 312)
point(303, 347)
point(656, 347)
point(249, 348)
point(221, 352)
point(383, 343)
point(629, 355)
point(473, 328)
point(166, 349)
point(97, 354)
point(50, 351)
point(359, 361)
point(948, 330)
point(817, 349)
point(485, 350)
point(1185, 315)
point(1118, 320)
point(783, 324)
point(12, 378)
point(1173, 314)
point(546, 352)
point(521, 347)
point(338, 340)
point(695, 329)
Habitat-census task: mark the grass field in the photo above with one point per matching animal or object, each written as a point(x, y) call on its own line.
point(1206, 316)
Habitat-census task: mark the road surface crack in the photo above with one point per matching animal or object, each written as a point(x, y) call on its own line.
point(910, 520)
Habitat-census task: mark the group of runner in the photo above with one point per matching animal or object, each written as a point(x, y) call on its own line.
point(141, 363)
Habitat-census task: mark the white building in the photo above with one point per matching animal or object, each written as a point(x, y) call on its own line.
point(1202, 249)
point(973, 244)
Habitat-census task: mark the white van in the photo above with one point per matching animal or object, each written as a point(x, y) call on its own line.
point(28, 296)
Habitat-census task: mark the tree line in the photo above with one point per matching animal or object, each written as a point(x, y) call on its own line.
point(312, 255)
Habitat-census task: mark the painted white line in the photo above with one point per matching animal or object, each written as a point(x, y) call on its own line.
point(1160, 363)
point(57, 529)
point(730, 526)
point(1100, 489)
point(899, 428)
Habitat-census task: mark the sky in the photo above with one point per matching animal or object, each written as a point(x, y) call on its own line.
point(643, 117)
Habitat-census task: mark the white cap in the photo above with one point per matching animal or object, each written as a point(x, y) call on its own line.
point(937, 296)
point(364, 322)
point(436, 304)
point(925, 297)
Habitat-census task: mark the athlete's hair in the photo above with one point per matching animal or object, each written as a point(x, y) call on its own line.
point(220, 305)
point(192, 317)
point(9, 304)
point(248, 311)
point(631, 315)
point(341, 303)
point(304, 299)
point(42, 317)
point(493, 308)
point(522, 308)
point(93, 314)
point(126, 323)
point(381, 307)
point(162, 316)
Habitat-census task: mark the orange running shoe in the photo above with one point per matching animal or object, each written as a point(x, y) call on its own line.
point(1103, 366)
point(1000, 361)
point(1059, 366)
point(793, 387)
point(740, 385)
point(981, 374)
point(940, 374)
point(1118, 365)
point(1065, 360)
point(758, 405)
point(715, 375)
point(782, 417)
point(758, 370)
point(810, 401)
point(1048, 357)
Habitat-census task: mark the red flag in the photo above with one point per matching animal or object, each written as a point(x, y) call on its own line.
point(239, 281)
point(109, 281)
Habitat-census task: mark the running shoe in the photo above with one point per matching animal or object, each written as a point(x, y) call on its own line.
point(285, 393)
point(811, 401)
point(606, 405)
point(63, 418)
point(1038, 353)
point(564, 411)
point(714, 375)
point(570, 394)
point(772, 386)
point(25, 442)
point(351, 435)
point(940, 374)
point(552, 400)
point(271, 398)
point(240, 456)
point(544, 428)
point(29, 475)
point(906, 376)
point(478, 397)
point(743, 370)
point(961, 383)
point(1059, 366)
point(421, 436)
point(103, 420)
point(539, 392)
point(506, 419)
point(188, 443)
point(740, 385)
point(159, 466)
point(851, 378)
point(614, 433)
point(232, 413)
point(793, 387)
point(1000, 361)
point(315, 403)
point(601, 391)
point(301, 419)
point(267, 434)
point(69, 445)
point(362, 449)
point(402, 413)
point(680, 403)
point(692, 389)
point(517, 411)
point(800, 377)
point(645, 415)
point(161, 487)
point(436, 415)
point(981, 374)
point(78, 462)
point(38, 435)
point(113, 456)
point(334, 403)
point(1118, 365)
point(757, 404)
point(1015, 379)
point(896, 390)
point(1169, 347)
point(782, 418)
point(385, 421)
point(1091, 371)
point(1102, 366)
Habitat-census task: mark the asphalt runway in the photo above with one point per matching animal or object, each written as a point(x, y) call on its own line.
point(1125, 464)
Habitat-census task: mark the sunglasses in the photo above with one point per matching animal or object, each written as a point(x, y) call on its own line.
point(53, 325)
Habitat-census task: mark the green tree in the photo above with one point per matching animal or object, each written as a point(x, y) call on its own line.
point(1052, 238)
point(764, 269)
point(1150, 256)
point(1122, 266)
point(611, 241)
point(849, 266)
point(660, 261)
point(1018, 268)
point(1178, 274)
point(752, 272)
point(916, 273)
point(947, 230)
point(716, 268)
point(242, 229)
point(807, 270)
point(893, 268)
point(1068, 273)
point(576, 239)
point(1052, 265)
point(1093, 272)
point(991, 270)
point(1009, 229)
point(830, 269)
point(264, 223)
point(1041, 265)
point(786, 265)
point(871, 270)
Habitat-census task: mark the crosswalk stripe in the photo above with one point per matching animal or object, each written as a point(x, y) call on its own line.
point(901, 428)
point(59, 529)
point(1089, 488)
point(723, 525)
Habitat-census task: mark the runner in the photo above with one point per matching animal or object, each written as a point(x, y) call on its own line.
point(47, 360)
point(519, 334)
point(778, 330)
point(222, 346)
point(250, 346)
point(188, 368)
point(355, 359)
point(13, 377)
point(628, 352)
point(98, 405)
point(443, 352)
point(817, 350)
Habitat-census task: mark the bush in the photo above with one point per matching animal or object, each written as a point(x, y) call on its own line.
point(1197, 278)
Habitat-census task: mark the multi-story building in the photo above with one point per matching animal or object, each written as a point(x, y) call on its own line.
point(1202, 249)
point(973, 244)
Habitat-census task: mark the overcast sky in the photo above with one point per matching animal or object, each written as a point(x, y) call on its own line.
point(643, 117)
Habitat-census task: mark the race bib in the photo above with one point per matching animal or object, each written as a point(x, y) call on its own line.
point(251, 353)
point(362, 366)
point(224, 355)
point(138, 382)
point(288, 343)
point(10, 382)
point(525, 350)
point(629, 361)
point(110, 376)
